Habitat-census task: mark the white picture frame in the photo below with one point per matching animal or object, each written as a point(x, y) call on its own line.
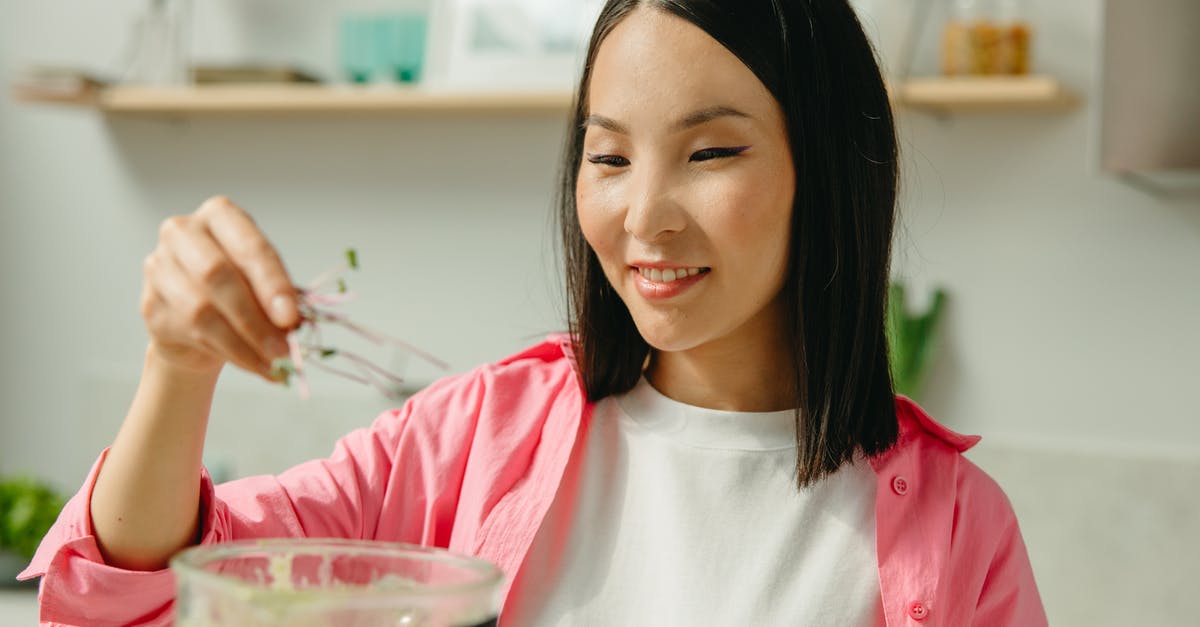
point(509, 44)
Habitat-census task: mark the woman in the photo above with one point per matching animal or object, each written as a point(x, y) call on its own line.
point(716, 441)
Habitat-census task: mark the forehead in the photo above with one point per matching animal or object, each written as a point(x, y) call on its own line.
point(654, 63)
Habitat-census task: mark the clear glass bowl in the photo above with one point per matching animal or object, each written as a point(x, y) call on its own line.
point(316, 582)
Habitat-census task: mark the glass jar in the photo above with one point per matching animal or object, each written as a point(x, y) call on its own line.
point(317, 582)
point(958, 47)
point(1012, 21)
point(986, 37)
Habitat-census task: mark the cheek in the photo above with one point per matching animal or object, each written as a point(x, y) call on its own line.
point(599, 218)
point(751, 214)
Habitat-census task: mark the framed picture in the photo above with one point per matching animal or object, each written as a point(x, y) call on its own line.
point(510, 44)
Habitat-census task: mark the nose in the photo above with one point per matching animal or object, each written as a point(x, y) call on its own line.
point(652, 212)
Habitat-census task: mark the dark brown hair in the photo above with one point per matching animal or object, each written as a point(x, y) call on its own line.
point(813, 56)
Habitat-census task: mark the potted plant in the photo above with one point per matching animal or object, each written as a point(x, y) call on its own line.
point(27, 510)
point(911, 338)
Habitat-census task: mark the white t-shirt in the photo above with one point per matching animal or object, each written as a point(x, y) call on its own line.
point(691, 516)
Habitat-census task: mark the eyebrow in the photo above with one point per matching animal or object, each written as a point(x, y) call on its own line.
point(691, 120)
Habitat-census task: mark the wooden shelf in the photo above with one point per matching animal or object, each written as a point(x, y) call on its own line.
point(936, 94)
point(306, 99)
point(985, 94)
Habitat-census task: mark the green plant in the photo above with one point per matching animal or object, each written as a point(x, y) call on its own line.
point(28, 508)
point(911, 338)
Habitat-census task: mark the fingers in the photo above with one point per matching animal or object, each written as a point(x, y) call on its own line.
point(221, 281)
point(244, 244)
point(191, 316)
point(217, 291)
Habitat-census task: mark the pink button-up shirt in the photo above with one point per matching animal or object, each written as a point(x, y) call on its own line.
point(472, 464)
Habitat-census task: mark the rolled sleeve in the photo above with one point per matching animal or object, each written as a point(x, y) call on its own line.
point(79, 588)
point(335, 497)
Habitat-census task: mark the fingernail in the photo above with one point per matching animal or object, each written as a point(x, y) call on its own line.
point(281, 309)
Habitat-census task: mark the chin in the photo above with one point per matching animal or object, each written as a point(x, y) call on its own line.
point(668, 336)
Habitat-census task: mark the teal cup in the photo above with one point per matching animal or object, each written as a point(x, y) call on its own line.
point(401, 38)
point(357, 49)
point(383, 48)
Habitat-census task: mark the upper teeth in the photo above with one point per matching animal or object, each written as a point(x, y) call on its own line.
point(666, 276)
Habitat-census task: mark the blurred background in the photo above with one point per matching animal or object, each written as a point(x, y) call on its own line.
point(1059, 298)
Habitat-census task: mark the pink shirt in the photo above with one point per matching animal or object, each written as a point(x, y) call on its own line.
point(472, 464)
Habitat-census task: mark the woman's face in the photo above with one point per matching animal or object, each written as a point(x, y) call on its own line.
point(686, 175)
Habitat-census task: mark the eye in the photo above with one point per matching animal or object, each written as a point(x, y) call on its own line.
point(716, 153)
point(609, 160)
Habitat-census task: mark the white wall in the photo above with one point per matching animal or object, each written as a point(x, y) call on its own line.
point(1070, 341)
point(448, 214)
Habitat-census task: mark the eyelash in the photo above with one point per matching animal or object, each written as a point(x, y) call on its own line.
point(709, 153)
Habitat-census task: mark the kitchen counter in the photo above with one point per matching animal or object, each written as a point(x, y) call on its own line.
point(18, 607)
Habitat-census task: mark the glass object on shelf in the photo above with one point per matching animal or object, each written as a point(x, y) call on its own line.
point(986, 37)
point(1012, 21)
point(299, 582)
point(356, 42)
point(402, 39)
point(384, 48)
point(956, 37)
point(158, 50)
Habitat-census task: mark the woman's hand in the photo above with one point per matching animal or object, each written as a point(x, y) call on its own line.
point(215, 290)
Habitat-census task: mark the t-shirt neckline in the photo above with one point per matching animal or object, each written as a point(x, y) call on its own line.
point(707, 428)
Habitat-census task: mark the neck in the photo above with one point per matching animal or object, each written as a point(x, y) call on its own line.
point(749, 370)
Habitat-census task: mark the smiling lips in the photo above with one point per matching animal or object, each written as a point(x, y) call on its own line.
point(667, 275)
point(663, 281)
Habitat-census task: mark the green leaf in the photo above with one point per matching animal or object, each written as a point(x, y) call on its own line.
point(352, 258)
point(912, 338)
point(341, 286)
point(328, 352)
point(28, 509)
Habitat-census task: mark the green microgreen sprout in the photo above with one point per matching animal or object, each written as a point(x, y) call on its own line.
point(306, 348)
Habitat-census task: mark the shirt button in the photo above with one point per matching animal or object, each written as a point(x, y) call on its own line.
point(917, 610)
point(900, 485)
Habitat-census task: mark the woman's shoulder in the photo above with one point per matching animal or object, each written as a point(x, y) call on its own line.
point(538, 373)
point(947, 533)
point(939, 450)
point(549, 358)
point(555, 348)
point(916, 422)
point(959, 493)
point(945, 513)
point(492, 409)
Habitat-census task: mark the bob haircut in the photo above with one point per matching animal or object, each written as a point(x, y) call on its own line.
point(814, 58)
